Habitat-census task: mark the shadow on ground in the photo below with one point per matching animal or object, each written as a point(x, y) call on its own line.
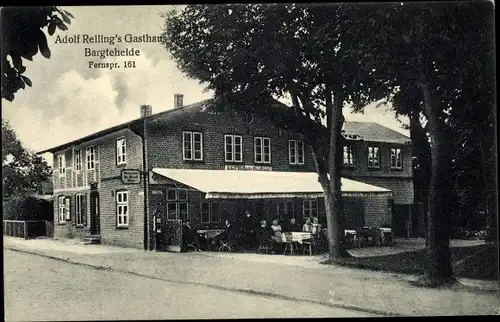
point(478, 261)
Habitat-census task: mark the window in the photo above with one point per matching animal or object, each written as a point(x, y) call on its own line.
point(262, 148)
point(122, 209)
point(61, 162)
point(296, 152)
point(396, 159)
point(233, 148)
point(172, 194)
point(90, 153)
point(192, 143)
point(348, 155)
point(286, 209)
point(373, 157)
point(121, 151)
point(177, 206)
point(310, 208)
point(62, 209)
point(79, 209)
point(210, 212)
point(78, 160)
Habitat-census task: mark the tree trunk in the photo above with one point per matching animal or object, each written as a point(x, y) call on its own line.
point(334, 161)
point(439, 269)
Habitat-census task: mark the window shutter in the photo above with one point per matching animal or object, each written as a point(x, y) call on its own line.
point(84, 209)
point(67, 207)
point(73, 210)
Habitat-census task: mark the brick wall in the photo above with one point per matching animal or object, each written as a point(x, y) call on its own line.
point(360, 167)
point(165, 141)
point(377, 211)
point(69, 229)
point(107, 175)
point(131, 236)
point(402, 188)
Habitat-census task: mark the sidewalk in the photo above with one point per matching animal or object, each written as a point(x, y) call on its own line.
point(299, 278)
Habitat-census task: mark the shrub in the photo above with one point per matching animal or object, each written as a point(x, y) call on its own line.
point(27, 208)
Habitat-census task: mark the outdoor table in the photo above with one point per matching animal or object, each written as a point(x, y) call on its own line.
point(297, 237)
point(209, 234)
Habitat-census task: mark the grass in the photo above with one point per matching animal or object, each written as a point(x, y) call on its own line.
point(472, 261)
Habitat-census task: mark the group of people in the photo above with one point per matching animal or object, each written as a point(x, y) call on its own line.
point(248, 233)
point(273, 235)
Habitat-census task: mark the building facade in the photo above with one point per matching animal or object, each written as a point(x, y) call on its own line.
point(102, 188)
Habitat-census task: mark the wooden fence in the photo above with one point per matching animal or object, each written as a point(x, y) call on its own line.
point(28, 229)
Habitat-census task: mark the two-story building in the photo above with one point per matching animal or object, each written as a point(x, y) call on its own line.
point(126, 184)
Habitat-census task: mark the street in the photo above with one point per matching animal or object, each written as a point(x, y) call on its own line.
point(40, 288)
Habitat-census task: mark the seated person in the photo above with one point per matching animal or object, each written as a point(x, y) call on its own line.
point(276, 237)
point(264, 233)
point(315, 226)
point(307, 227)
point(292, 226)
point(226, 235)
point(189, 235)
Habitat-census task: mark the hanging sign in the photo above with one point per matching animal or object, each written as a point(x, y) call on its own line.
point(130, 176)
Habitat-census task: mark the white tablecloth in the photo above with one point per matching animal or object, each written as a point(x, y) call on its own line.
point(298, 237)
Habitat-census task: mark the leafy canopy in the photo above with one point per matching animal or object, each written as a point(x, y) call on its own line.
point(22, 37)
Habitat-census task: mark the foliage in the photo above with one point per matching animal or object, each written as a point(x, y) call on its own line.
point(27, 208)
point(248, 53)
point(22, 170)
point(430, 51)
point(22, 37)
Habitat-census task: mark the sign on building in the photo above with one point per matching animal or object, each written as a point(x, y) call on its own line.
point(131, 176)
point(248, 167)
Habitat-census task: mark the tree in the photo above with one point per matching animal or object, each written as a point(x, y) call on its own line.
point(247, 53)
point(22, 38)
point(22, 170)
point(433, 47)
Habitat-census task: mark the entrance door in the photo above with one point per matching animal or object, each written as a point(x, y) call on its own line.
point(94, 213)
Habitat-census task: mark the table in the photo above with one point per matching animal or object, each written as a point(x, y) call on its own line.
point(209, 233)
point(297, 237)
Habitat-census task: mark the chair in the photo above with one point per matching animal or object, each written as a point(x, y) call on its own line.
point(290, 244)
point(190, 244)
point(264, 246)
point(307, 246)
point(224, 246)
point(319, 243)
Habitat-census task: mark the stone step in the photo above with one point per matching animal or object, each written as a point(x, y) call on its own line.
point(92, 239)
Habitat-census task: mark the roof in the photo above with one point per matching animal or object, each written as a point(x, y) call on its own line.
point(228, 184)
point(371, 131)
point(176, 111)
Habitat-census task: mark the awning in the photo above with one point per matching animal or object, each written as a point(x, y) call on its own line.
point(240, 184)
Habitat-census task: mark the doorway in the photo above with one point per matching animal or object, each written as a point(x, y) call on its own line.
point(95, 228)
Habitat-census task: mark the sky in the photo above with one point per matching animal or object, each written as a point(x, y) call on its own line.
point(69, 100)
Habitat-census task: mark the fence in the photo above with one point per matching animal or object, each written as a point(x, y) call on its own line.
point(28, 229)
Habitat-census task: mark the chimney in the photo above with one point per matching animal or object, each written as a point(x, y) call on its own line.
point(178, 100)
point(146, 110)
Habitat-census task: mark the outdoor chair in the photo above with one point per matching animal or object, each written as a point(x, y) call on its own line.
point(307, 247)
point(290, 245)
point(225, 246)
point(265, 247)
point(190, 244)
